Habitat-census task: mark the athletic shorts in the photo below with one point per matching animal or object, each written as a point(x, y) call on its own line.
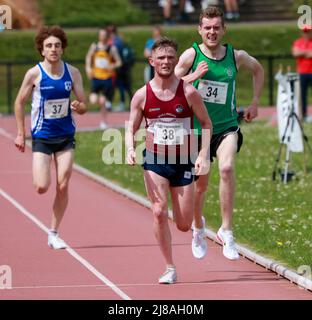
point(51, 146)
point(103, 86)
point(178, 175)
point(216, 140)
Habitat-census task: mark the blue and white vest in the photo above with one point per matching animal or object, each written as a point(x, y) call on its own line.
point(51, 115)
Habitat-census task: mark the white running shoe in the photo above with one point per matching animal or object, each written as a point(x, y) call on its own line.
point(227, 240)
point(169, 276)
point(199, 243)
point(103, 125)
point(55, 242)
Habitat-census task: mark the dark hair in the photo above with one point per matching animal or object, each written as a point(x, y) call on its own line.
point(165, 42)
point(45, 32)
point(211, 12)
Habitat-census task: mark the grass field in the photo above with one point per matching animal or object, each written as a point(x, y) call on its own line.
point(271, 218)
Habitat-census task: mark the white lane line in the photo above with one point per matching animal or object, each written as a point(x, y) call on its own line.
point(72, 252)
point(181, 284)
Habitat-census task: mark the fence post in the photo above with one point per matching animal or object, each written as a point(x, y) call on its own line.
point(9, 86)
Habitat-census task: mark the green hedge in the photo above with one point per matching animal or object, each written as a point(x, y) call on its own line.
point(81, 13)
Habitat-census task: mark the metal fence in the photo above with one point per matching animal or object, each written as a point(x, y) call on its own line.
point(11, 74)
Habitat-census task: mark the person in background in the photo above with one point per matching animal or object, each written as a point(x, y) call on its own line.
point(121, 76)
point(231, 10)
point(102, 60)
point(184, 6)
point(149, 70)
point(302, 51)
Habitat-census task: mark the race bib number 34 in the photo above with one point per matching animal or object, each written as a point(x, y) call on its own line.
point(213, 91)
point(169, 133)
point(56, 109)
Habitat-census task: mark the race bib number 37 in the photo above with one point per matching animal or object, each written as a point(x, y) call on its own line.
point(213, 91)
point(169, 133)
point(56, 109)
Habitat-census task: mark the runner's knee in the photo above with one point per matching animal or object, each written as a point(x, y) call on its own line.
point(160, 212)
point(226, 171)
point(41, 188)
point(184, 226)
point(62, 188)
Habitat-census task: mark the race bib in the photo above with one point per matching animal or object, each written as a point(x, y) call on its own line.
point(101, 63)
point(213, 91)
point(169, 133)
point(56, 109)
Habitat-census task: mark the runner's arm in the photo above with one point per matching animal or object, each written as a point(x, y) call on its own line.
point(78, 105)
point(135, 119)
point(117, 59)
point(89, 55)
point(19, 106)
point(185, 64)
point(245, 60)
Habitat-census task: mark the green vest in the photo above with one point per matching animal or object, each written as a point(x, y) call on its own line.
point(217, 89)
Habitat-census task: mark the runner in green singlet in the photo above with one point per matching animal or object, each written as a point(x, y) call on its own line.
point(212, 68)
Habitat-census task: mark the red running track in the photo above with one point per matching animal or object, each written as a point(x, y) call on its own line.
point(113, 252)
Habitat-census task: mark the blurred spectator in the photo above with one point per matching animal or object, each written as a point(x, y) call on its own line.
point(119, 76)
point(231, 10)
point(206, 3)
point(149, 70)
point(302, 51)
point(101, 61)
point(124, 81)
point(185, 7)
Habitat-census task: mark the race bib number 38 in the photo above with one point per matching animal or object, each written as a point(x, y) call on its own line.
point(56, 109)
point(169, 133)
point(213, 91)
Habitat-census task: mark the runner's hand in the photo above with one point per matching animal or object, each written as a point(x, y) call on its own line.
point(250, 113)
point(77, 106)
point(131, 155)
point(201, 70)
point(202, 166)
point(20, 143)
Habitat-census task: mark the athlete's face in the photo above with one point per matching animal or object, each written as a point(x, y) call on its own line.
point(211, 31)
point(52, 49)
point(164, 61)
point(103, 36)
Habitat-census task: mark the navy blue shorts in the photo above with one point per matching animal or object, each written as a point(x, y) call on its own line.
point(103, 86)
point(177, 174)
point(51, 146)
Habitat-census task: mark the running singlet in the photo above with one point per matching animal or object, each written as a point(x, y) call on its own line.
point(100, 61)
point(168, 123)
point(217, 89)
point(51, 115)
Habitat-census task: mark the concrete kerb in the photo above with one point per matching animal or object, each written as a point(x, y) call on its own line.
point(269, 264)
